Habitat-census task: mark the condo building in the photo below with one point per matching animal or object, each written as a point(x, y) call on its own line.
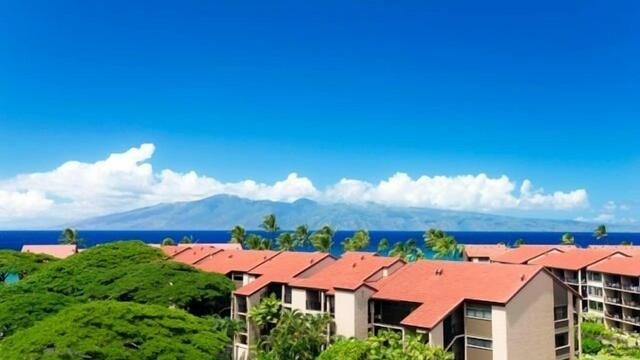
point(475, 310)
point(607, 277)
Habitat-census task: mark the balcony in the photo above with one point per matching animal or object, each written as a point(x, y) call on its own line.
point(631, 288)
point(631, 319)
point(611, 300)
point(612, 285)
point(572, 280)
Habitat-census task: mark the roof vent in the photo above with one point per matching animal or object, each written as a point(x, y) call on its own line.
point(362, 257)
point(522, 277)
point(439, 272)
point(354, 265)
point(311, 261)
point(230, 256)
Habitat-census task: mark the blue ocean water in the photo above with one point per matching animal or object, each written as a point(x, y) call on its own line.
point(15, 239)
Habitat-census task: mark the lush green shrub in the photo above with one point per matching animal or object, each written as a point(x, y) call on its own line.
point(346, 349)
point(590, 345)
point(117, 330)
point(23, 264)
point(20, 311)
point(593, 329)
point(132, 271)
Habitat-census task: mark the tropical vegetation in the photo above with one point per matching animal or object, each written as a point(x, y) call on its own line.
point(70, 236)
point(602, 343)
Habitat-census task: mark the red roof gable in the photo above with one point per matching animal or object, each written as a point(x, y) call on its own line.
point(629, 266)
point(485, 251)
point(575, 259)
point(349, 272)
point(228, 261)
point(193, 254)
point(525, 253)
point(281, 268)
point(441, 285)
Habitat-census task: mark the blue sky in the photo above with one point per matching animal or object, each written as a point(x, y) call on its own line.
point(361, 90)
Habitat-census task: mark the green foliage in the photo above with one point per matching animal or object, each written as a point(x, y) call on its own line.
point(322, 240)
point(131, 271)
point(518, 242)
point(386, 345)
point(187, 239)
point(359, 240)
point(20, 311)
point(287, 242)
point(301, 235)
point(590, 345)
point(117, 330)
point(295, 336)
point(70, 236)
point(442, 244)
point(408, 251)
point(267, 312)
point(257, 242)
point(168, 241)
point(269, 223)
point(23, 264)
point(593, 329)
point(383, 246)
point(238, 235)
point(600, 232)
point(568, 239)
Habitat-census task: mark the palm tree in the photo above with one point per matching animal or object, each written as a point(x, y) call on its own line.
point(600, 232)
point(187, 239)
point(442, 244)
point(409, 251)
point(286, 242)
point(568, 239)
point(70, 236)
point(322, 240)
point(518, 242)
point(254, 242)
point(383, 245)
point(302, 235)
point(237, 235)
point(168, 241)
point(269, 223)
point(357, 242)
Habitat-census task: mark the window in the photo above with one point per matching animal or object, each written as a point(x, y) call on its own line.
point(241, 303)
point(287, 295)
point(595, 291)
point(596, 305)
point(242, 339)
point(594, 276)
point(479, 343)
point(562, 340)
point(479, 311)
point(331, 305)
point(560, 313)
point(237, 277)
point(313, 300)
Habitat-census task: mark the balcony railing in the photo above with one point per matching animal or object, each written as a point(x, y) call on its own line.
point(613, 285)
point(631, 319)
point(613, 300)
point(633, 288)
point(572, 280)
point(563, 350)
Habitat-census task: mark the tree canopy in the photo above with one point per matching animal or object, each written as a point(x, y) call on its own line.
point(21, 310)
point(23, 264)
point(117, 330)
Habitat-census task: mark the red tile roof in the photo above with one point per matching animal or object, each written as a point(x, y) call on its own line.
point(631, 250)
point(228, 261)
point(485, 251)
point(193, 254)
point(574, 259)
point(525, 253)
point(440, 286)
point(629, 266)
point(281, 268)
point(349, 272)
point(60, 251)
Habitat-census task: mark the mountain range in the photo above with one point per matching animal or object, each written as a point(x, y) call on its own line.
point(225, 211)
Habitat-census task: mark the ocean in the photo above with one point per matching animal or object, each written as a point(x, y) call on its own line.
point(15, 239)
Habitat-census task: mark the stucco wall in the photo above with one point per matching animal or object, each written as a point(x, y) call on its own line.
point(530, 326)
point(499, 332)
point(299, 299)
point(436, 335)
point(351, 312)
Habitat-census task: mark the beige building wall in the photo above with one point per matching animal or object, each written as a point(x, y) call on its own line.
point(499, 332)
point(436, 335)
point(351, 312)
point(299, 299)
point(529, 321)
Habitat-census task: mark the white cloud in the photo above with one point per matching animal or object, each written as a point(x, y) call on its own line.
point(127, 180)
point(466, 192)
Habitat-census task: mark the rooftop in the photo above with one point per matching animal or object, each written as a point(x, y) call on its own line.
point(228, 261)
point(485, 251)
point(192, 254)
point(575, 259)
point(349, 272)
point(60, 251)
point(620, 265)
point(440, 286)
point(525, 253)
point(281, 268)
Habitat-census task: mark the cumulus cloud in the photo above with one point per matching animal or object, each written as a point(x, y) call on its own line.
point(127, 180)
point(466, 192)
